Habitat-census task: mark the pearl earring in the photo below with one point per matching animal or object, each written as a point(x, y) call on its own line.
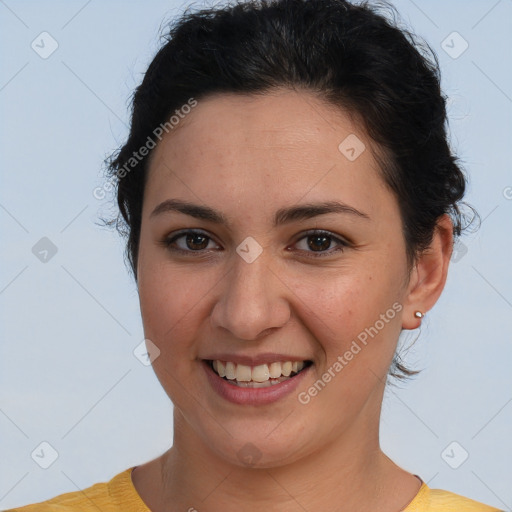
point(418, 314)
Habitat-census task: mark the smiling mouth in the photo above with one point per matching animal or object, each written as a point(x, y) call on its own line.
point(260, 376)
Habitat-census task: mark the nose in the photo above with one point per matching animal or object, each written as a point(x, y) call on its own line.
point(252, 301)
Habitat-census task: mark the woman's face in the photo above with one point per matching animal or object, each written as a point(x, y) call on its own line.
point(275, 272)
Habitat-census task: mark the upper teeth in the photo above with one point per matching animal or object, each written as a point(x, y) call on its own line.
point(260, 373)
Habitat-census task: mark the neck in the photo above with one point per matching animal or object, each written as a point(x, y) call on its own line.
point(352, 471)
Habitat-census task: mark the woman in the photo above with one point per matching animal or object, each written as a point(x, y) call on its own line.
point(291, 205)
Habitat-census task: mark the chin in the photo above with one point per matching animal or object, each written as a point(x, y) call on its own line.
point(251, 447)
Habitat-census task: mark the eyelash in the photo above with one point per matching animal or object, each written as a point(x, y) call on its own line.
point(169, 240)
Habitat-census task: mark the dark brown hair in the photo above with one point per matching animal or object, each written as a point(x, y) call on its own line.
point(351, 56)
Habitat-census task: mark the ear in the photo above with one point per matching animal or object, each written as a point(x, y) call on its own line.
point(429, 273)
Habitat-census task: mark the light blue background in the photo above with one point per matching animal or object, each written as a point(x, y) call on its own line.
point(69, 326)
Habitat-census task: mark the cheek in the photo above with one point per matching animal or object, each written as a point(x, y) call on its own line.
point(170, 300)
point(355, 323)
point(339, 310)
point(171, 303)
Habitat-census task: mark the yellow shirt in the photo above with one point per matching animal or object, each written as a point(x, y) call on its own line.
point(120, 495)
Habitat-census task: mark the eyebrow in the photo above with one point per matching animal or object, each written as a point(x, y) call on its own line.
point(282, 216)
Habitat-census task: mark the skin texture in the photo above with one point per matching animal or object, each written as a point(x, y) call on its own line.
point(247, 157)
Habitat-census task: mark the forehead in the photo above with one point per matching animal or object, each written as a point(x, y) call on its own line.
point(284, 145)
point(279, 118)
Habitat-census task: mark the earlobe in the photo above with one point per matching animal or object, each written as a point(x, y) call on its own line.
point(429, 274)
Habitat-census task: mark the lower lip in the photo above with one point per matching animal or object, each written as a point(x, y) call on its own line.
point(252, 396)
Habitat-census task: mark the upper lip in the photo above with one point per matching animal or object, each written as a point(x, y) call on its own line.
point(256, 359)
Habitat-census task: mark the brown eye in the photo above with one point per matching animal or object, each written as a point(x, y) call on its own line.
point(196, 241)
point(321, 243)
point(190, 241)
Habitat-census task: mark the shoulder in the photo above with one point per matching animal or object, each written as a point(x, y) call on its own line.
point(78, 500)
point(111, 496)
point(446, 500)
point(438, 500)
